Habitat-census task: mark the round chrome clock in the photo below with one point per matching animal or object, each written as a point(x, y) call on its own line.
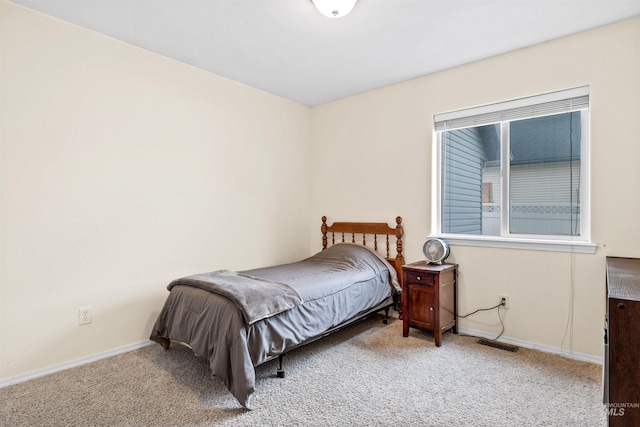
point(436, 250)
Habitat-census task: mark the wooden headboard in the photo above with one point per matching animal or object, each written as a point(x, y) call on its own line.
point(364, 229)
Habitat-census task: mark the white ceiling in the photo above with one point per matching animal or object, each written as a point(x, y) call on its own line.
point(287, 48)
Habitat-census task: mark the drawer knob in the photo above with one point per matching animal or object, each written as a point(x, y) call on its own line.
point(430, 308)
point(622, 305)
point(418, 278)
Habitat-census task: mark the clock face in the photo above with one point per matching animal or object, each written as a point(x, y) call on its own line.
point(435, 250)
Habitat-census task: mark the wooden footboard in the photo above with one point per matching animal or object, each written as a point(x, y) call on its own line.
point(357, 232)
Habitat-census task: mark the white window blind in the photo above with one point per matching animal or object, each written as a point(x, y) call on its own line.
point(564, 101)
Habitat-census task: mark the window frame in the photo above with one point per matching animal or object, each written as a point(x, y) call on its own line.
point(558, 243)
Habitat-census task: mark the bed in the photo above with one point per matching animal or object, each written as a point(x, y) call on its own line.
point(239, 320)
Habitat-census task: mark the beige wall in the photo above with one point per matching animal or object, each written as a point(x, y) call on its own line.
point(389, 132)
point(120, 170)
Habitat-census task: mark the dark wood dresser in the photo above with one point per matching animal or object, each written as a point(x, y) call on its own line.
point(429, 298)
point(621, 367)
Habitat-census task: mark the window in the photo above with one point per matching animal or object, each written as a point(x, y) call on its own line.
point(515, 174)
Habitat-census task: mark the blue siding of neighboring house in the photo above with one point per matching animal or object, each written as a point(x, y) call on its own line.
point(462, 172)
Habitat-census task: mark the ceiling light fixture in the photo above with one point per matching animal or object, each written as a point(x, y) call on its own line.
point(334, 8)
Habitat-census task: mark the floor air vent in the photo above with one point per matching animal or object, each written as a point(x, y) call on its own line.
point(500, 345)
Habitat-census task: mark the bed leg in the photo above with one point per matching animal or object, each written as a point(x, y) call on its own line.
point(280, 371)
point(164, 342)
point(386, 316)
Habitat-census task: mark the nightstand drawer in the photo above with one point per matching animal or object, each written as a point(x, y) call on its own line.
point(418, 277)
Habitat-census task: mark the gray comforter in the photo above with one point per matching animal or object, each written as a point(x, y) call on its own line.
point(334, 285)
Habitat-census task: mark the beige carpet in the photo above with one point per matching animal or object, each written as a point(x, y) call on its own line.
point(366, 375)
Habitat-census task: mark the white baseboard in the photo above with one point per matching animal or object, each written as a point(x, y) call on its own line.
point(135, 346)
point(535, 346)
point(72, 364)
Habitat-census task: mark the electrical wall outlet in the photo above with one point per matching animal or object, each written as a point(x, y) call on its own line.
point(505, 301)
point(84, 316)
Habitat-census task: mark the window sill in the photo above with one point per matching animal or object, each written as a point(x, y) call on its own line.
point(528, 244)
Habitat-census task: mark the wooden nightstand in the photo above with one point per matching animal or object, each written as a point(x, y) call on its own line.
point(429, 298)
